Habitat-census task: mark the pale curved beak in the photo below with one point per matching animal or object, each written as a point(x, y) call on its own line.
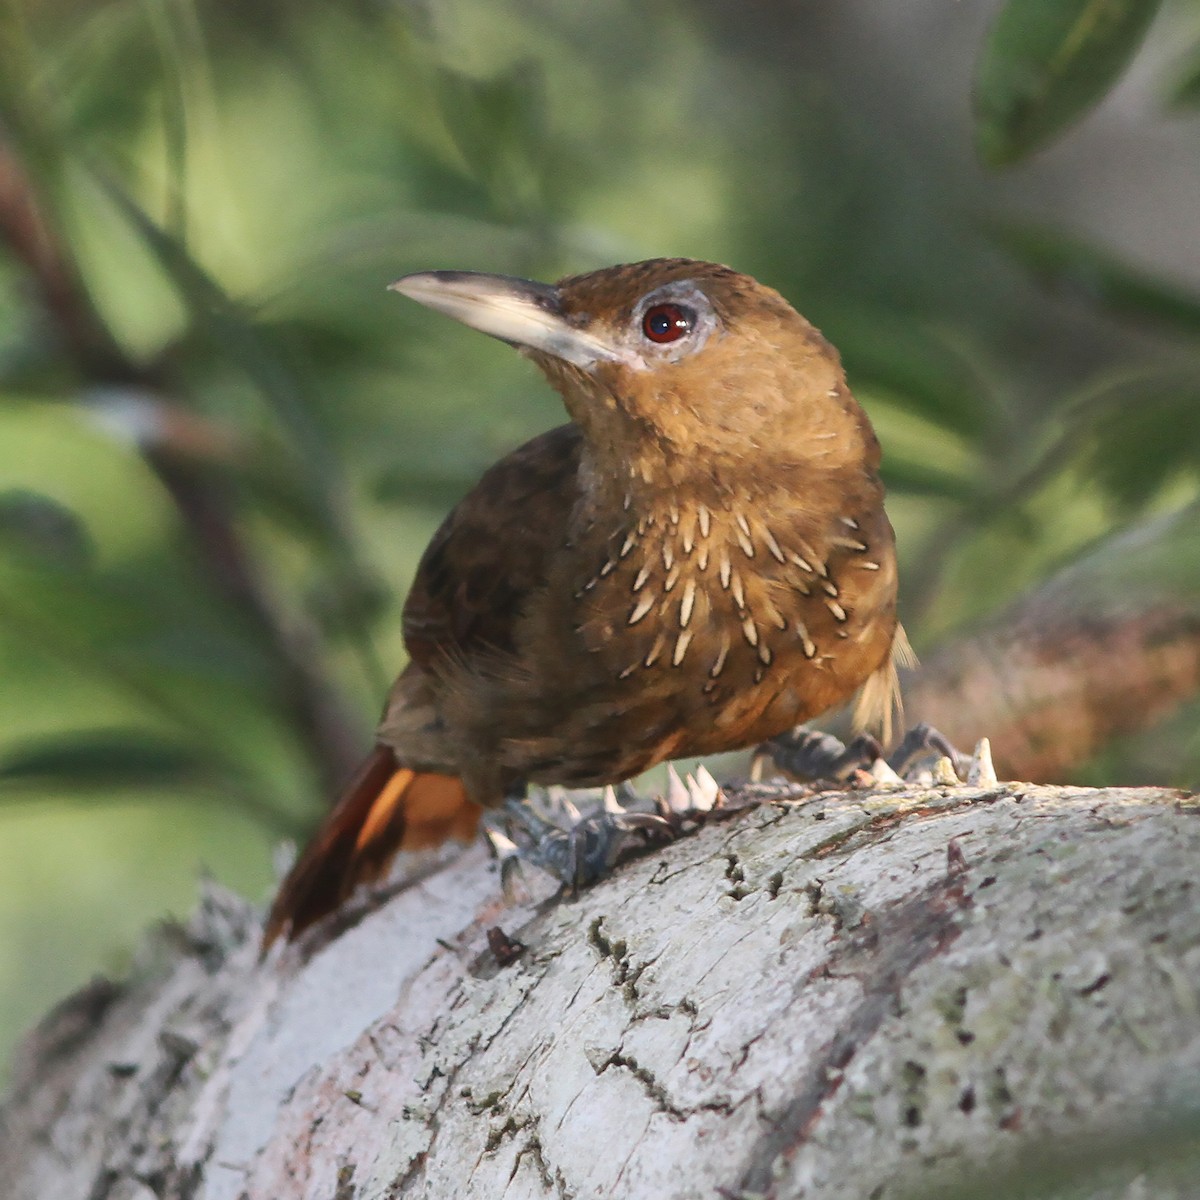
point(518, 311)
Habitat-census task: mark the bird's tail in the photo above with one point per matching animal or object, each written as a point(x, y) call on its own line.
point(386, 807)
point(879, 706)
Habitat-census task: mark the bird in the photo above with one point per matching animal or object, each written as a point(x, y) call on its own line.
point(697, 561)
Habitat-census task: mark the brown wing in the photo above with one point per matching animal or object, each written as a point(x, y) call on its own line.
point(490, 553)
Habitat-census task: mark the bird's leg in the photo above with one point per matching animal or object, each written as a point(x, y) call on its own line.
point(810, 754)
point(549, 831)
point(924, 744)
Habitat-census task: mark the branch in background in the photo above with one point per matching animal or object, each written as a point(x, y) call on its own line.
point(1109, 646)
point(320, 717)
point(55, 279)
point(309, 700)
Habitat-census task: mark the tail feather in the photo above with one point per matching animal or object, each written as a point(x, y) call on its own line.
point(879, 706)
point(384, 808)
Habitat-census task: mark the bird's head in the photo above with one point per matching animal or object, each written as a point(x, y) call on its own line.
point(673, 367)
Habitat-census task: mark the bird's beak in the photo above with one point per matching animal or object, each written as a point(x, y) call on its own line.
point(517, 311)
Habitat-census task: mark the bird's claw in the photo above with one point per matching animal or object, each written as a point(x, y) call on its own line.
point(506, 853)
point(924, 756)
point(549, 831)
point(689, 799)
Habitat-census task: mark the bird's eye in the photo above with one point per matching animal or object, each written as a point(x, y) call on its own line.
point(667, 322)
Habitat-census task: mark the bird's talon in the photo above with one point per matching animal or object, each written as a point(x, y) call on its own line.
point(883, 775)
point(570, 813)
point(502, 846)
point(627, 794)
point(554, 806)
point(982, 771)
point(687, 800)
point(645, 822)
point(507, 855)
point(581, 852)
point(677, 799)
point(704, 790)
point(923, 758)
point(944, 774)
point(758, 765)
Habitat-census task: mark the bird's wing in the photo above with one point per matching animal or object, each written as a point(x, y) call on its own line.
point(490, 553)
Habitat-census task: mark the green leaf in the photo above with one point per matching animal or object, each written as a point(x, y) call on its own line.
point(890, 352)
point(83, 762)
point(1185, 91)
point(41, 532)
point(906, 476)
point(1073, 267)
point(1145, 442)
point(1045, 63)
point(102, 758)
point(232, 328)
point(498, 126)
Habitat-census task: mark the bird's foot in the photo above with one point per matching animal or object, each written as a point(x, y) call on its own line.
point(548, 830)
point(811, 754)
point(923, 748)
point(924, 756)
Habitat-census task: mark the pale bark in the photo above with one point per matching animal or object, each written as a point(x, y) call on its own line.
point(844, 995)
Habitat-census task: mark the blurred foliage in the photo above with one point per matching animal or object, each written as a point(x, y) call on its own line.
point(223, 445)
point(1048, 61)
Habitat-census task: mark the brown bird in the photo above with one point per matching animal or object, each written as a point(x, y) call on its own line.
point(698, 561)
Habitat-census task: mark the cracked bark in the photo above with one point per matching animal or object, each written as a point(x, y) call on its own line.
point(839, 995)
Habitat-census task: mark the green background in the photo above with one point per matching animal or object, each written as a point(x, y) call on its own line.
point(236, 184)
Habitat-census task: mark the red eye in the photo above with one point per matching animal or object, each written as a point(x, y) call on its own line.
point(667, 322)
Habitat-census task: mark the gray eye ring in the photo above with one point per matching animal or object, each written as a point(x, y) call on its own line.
point(686, 322)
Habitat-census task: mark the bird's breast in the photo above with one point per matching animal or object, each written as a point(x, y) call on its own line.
point(732, 617)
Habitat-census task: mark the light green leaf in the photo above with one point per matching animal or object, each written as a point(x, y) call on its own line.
point(106, 758)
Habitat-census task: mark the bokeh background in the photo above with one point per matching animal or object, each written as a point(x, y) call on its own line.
point(223, 444)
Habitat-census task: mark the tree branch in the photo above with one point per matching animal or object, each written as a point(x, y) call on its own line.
point(821, 995)
point(1105, 648)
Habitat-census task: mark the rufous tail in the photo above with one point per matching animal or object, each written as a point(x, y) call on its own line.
point(385, 807)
